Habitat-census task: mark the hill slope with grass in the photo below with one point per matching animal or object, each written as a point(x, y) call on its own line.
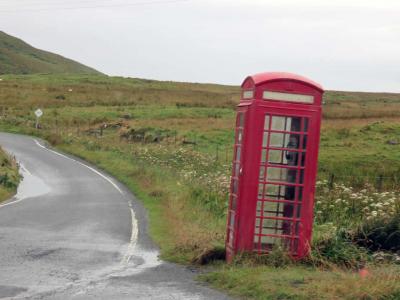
point(18, 57)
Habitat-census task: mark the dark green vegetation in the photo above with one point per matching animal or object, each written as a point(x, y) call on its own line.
point(9, 176)
point(171, 144)
point(17, 57)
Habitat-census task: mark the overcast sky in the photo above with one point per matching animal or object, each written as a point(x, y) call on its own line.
point(344, 45)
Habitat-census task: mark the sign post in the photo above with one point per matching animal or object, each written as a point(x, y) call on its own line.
point(38, 114)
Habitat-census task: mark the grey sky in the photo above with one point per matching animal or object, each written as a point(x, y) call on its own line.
point(344, 45)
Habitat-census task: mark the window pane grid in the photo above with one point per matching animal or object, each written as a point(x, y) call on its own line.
point(281, 183)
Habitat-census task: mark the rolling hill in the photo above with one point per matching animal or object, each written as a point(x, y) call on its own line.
point(18, 57)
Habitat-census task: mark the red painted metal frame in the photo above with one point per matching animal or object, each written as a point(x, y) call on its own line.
point(241, 228)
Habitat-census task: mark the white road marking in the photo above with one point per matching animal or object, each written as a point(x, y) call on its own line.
point(21, 195)
point(132, 242)
point(86, 166)
point(134, 232)
point(11, 202)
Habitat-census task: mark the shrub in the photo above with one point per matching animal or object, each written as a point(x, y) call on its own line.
point(335, 247)
point(380, 234)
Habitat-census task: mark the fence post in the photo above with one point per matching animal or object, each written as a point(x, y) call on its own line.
point(379, 183)
point(331, 181)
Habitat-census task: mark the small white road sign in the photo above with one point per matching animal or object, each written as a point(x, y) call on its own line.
point(38, 113)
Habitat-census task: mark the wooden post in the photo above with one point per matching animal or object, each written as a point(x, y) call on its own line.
point(331, 181)
point(379, 183)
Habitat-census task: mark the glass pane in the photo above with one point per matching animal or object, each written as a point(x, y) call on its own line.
point(237, 168)
point(276, 207)
point(275, 190)
point(232, 219)
point(293, 124)
point(238, 152)
point(262, 173)
point(291, 158)
point(259, 207)
point(290, 192)
point(292, 141)
point(257, 223)
point(269, 242)
point(305, 121)
point(298, 228)
point(301, 179)
point(303, 159)
point(263, 155)
point(299, 195)
point(233, 206)
point(266, 122)
point(265, 139)
point(298, 212)
point(296, 124)
point(235, 186)
point(248, 94)
point(305, 142)
point(288, 123)
point(295, 245)
point(278, 123)
point(271, 224)
point(260, 191)
point(287, 227)
point(288, 210)
point(277, 140)
point(241, 119)
point(277, 174)
point(291, 175)
point(240, 136)
point(277, 157)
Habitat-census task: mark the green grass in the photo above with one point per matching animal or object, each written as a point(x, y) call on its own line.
point(299, 282)
point(9, 176)
point(17, 57)
point(183, 179)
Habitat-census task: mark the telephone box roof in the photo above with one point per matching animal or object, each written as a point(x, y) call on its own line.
point(261, 78)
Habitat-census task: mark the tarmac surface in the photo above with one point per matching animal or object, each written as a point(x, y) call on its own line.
point(74, 232)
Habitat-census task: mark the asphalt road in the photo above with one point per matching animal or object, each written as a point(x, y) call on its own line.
point(73, 232)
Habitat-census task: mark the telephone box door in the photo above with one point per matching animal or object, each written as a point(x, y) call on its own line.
point(283, 215)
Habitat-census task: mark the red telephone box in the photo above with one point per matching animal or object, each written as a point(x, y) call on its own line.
point(274, 165)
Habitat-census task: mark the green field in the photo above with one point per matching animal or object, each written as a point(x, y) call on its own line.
point(171, 143)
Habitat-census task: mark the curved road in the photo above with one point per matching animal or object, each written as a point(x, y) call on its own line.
point(72, 232)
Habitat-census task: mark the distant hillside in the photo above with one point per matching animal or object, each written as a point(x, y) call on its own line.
point(17, 57)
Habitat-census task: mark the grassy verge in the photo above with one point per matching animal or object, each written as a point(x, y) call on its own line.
point(9, 176)
point(299, 282)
